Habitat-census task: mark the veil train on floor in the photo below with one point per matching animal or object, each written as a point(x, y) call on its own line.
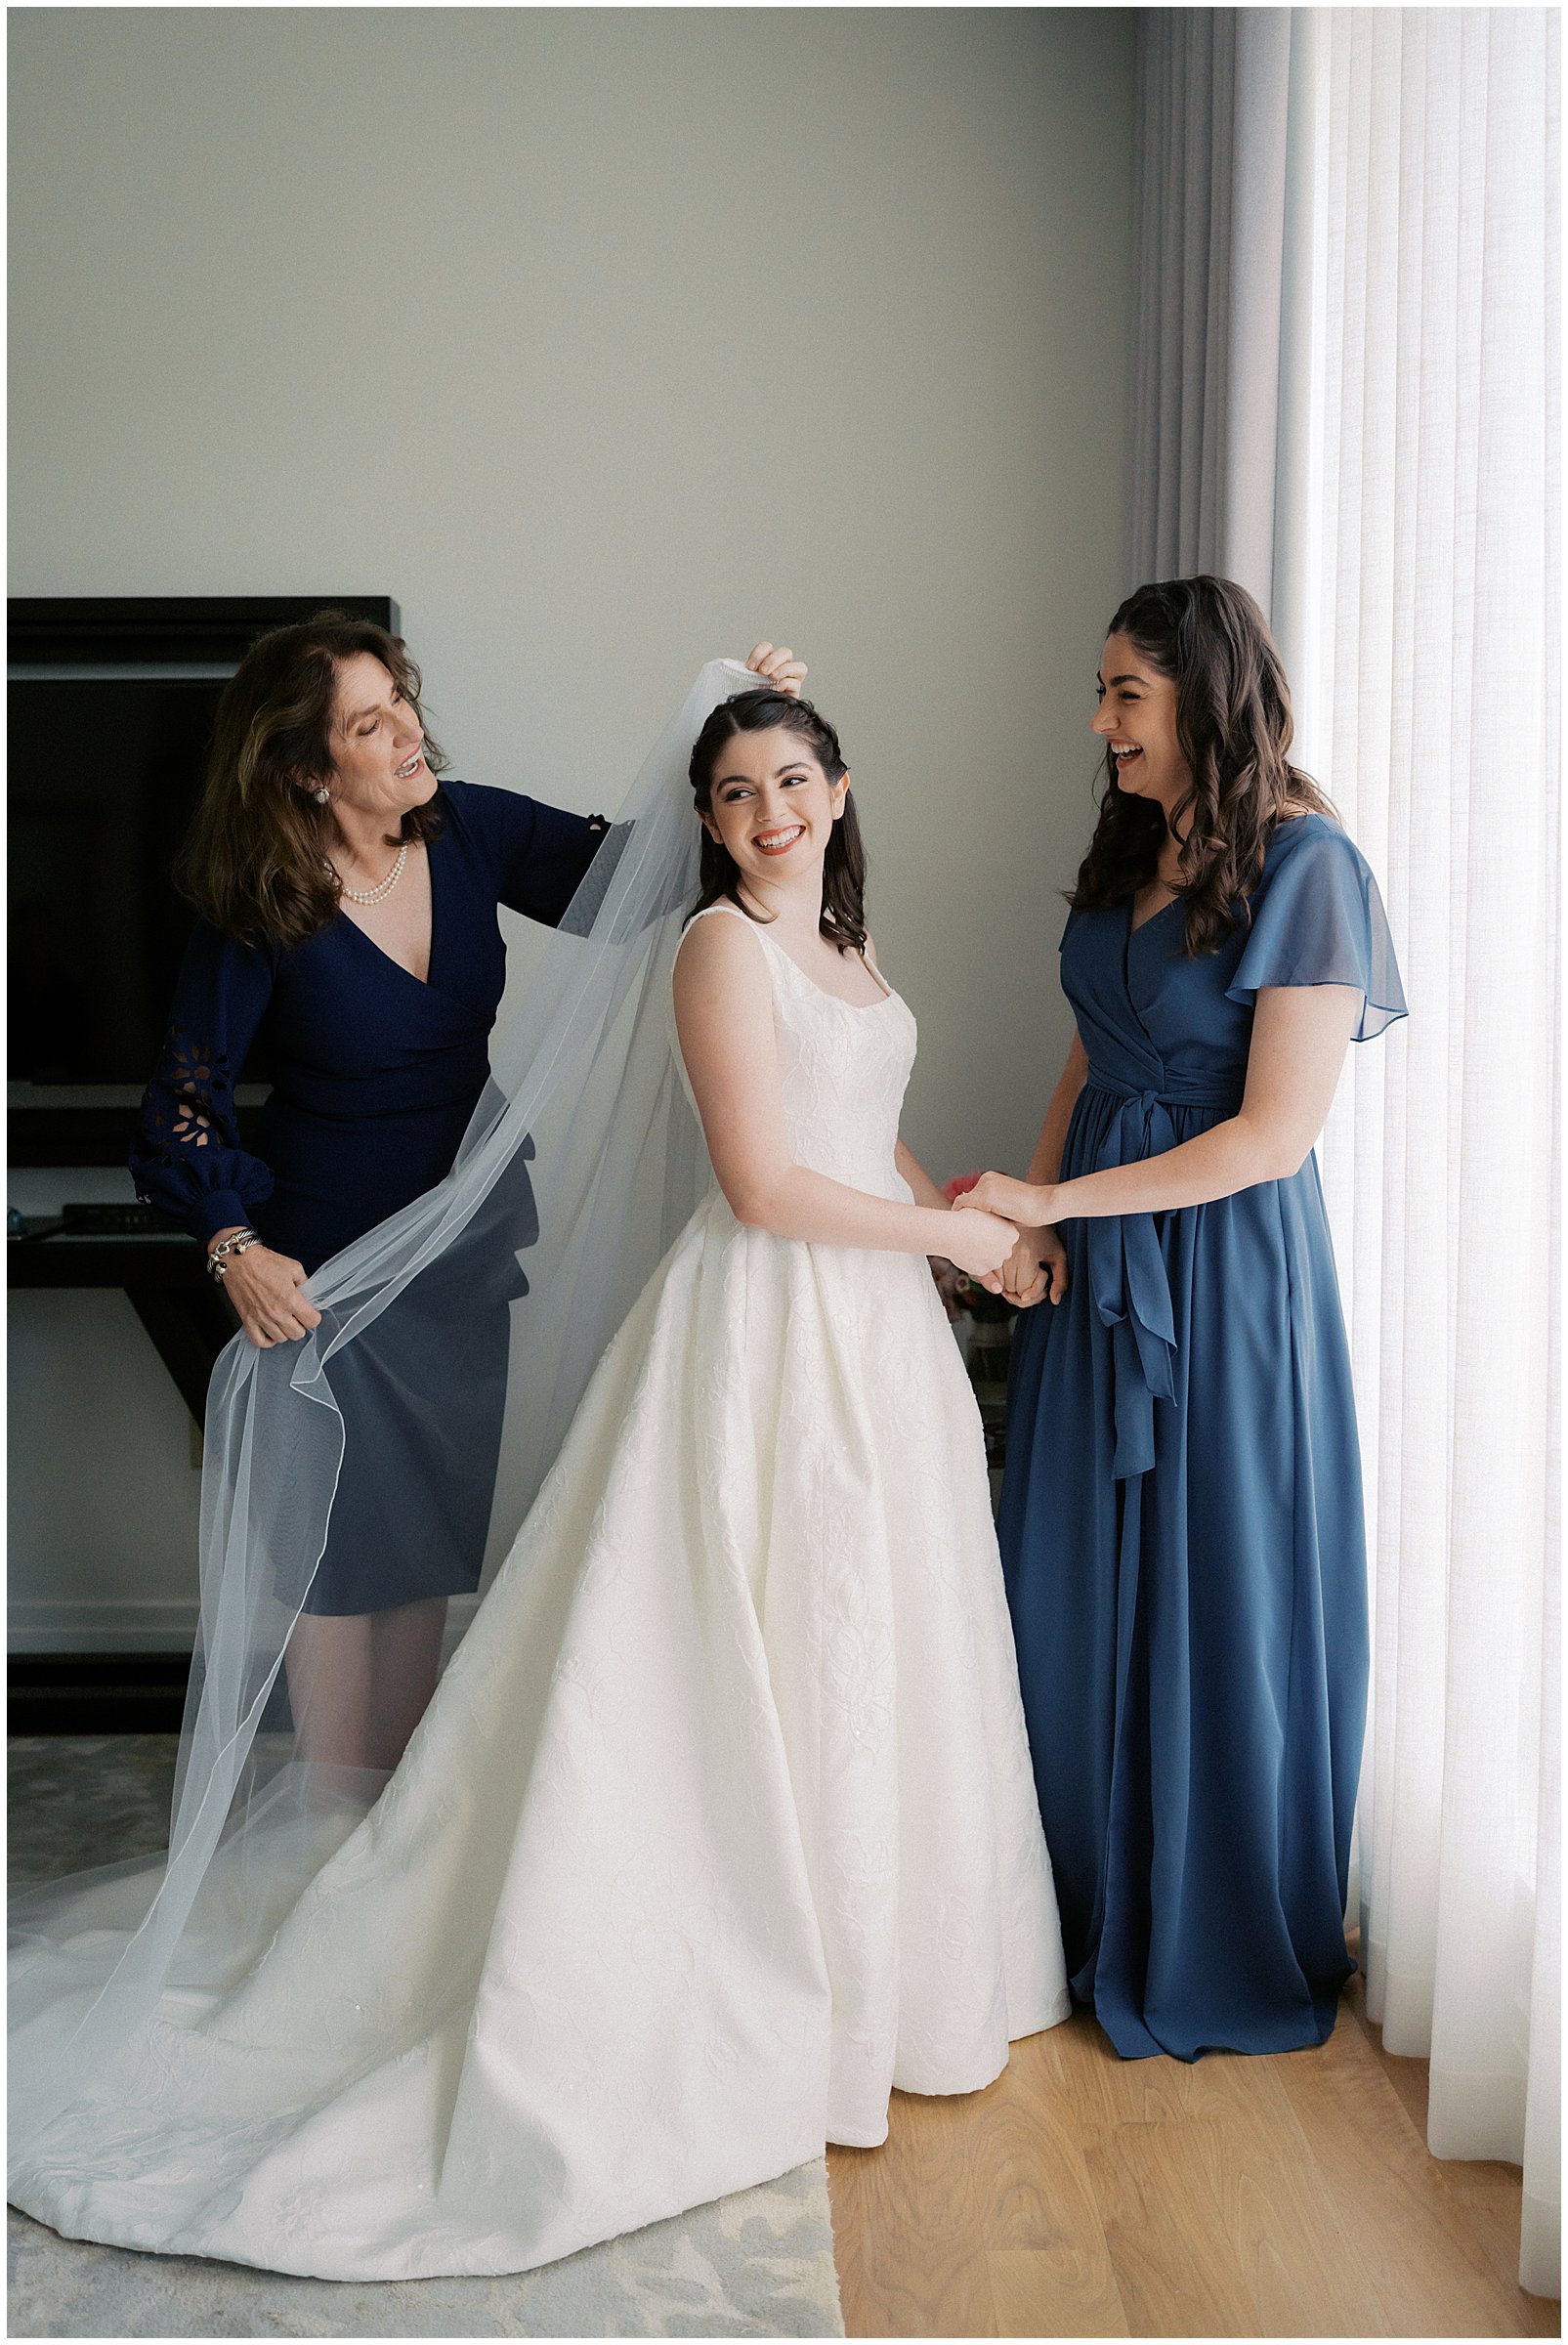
point(391, 1407)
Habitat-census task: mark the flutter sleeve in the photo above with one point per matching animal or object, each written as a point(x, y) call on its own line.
point(1319, 919)
point(188, 1159)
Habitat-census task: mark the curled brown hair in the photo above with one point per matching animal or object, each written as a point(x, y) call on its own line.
point(843, 918)
point(254, 862)
point(1234, 725)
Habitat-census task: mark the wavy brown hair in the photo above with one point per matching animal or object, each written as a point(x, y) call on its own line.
point(1234, 725)
point(254, 862)
point(843, 915)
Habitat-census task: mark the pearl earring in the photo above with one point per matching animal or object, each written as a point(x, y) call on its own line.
point(323, 796)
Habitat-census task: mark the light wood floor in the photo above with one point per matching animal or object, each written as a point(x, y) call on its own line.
point(1083, 2196)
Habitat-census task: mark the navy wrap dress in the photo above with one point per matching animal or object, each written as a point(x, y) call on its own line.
point(375, 1076)
point(1181, 1517)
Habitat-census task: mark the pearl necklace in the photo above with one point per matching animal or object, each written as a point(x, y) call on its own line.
point(375, 895)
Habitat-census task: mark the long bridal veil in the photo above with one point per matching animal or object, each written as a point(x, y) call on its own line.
point(395, 1413)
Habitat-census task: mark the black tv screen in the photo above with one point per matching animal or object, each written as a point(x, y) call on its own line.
point(104, 776)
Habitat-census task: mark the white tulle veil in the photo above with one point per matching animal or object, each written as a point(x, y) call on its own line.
point(586, 1096)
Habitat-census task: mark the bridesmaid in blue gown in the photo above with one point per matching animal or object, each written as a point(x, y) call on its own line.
point(349, 900)
point(1181, 1520)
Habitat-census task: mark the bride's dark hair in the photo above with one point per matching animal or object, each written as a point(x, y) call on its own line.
point(1234, 725)
point(843, 921)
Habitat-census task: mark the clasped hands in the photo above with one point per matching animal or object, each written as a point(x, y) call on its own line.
point(1036, 1268)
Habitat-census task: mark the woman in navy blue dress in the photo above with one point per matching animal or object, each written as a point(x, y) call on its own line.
point(1181, 1522)
point(348, 900)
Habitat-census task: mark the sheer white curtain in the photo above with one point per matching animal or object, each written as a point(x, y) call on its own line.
point(1409, 267)
point(1433, 688)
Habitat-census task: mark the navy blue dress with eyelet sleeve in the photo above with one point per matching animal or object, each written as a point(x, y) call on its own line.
point(375, 1076)
point(1181, 1517)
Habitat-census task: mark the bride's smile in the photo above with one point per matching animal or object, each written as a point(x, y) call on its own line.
point(660, 1894)
point(772, 807)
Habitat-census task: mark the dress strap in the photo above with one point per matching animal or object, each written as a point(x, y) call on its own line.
point(873, 972)
point(755, 927)
point(759, 929)
point(734, 912)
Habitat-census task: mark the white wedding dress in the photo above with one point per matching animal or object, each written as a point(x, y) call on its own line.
point(720, 1824)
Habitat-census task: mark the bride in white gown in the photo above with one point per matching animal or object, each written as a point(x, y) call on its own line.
point(721, 1822)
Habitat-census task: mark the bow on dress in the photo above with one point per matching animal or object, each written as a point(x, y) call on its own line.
point(1126, 1267)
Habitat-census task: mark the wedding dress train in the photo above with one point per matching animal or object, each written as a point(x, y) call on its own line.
point(720, 1824)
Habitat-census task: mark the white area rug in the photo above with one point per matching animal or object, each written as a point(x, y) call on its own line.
point(758, 2265)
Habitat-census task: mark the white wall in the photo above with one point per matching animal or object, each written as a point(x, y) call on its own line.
point(604, 341)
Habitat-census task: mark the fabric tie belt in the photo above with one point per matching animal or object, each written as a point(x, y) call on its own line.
point(1128, 1270)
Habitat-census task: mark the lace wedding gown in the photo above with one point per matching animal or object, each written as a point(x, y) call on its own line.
point(720, 1824)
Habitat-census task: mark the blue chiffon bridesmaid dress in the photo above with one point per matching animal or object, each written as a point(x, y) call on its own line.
point(1181, 1517)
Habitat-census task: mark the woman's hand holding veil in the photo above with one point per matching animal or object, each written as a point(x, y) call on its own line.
point(777, 665)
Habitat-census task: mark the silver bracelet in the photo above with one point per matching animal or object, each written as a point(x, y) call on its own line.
point(233, 1243)
point(218, 1255)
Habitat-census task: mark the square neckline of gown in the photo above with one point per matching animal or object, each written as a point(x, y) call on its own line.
point(882, 1001)
point(886, 995)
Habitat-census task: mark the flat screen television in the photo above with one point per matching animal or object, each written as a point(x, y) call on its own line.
point(110, 705)
point(104, 776)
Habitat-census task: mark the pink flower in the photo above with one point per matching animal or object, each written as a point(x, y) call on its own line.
point(959, 1186)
